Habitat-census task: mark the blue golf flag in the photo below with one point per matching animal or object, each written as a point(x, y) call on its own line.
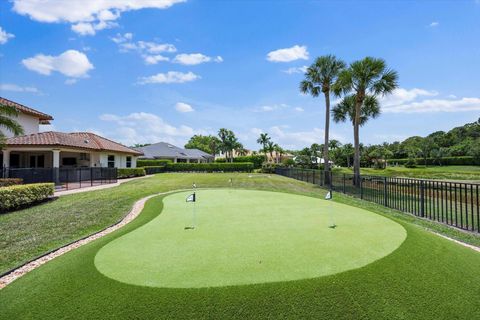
point(191, 198)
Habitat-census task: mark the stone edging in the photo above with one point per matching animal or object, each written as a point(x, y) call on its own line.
point(458, 242)
point(16, 273)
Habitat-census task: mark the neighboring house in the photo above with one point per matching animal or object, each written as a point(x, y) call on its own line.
point(167, 151)
point(51, 149)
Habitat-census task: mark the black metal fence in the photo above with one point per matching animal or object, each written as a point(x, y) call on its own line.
point(64, 178)
point(453, 203)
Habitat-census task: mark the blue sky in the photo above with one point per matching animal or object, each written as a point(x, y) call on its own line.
point(165, 70)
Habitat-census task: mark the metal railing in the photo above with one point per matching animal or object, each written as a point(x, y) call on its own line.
point(64, 178)
point(455, 204)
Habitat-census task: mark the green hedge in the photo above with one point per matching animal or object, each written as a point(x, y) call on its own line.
point(154, 169)
point(257, 160)
point(152, 163)
point(446, 161)
point(210, 167)
point(6, 182)
point(15, 197)
point(130, 172)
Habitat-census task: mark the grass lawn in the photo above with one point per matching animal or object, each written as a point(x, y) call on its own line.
point(427, 277)
point(457, 173)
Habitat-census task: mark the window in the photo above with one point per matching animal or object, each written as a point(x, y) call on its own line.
point(69, 161)
point(84, 156)
point(14, 160)
point(129, 162)
point(111, 161)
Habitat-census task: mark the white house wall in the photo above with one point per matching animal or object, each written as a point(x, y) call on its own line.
point(30, 124)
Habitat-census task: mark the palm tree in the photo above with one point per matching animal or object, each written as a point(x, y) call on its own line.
point(7, 113)
point(366, 77)
point(345, 110)
point(270, 148)
point(315, 148)
point(263, 140)
point(319, 78)
point(278, 153)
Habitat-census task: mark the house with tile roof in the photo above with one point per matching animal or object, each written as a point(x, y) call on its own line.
point(51, 149)
point(167, 151)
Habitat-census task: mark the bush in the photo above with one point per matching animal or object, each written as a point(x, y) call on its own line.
point(411, 163)
point(15, 197)
point(257, 160)
point(154, 169)
point(270, 167)
point(446, 161)
point(210, 167)
point(6, 182)
point(152, 163)
point(130, 173)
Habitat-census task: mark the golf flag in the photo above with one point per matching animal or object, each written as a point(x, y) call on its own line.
point(329, 195)
point(191, 198)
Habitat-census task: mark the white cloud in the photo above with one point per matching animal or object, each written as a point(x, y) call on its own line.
point(71, 81)
point(170, 77)
point(299, 109)
point(293, 70)
point(17, 88)
point(420, 101)
point(86, 16)
point(154, 59)
point(298, 139)
point(437, 105)
point(272, 107)
point(401, 95)
point(183, 107)
point(143, 127)
point(4, 36)
point(71, 63)
point(434, 24)
point(194, 58)
point(288, 54)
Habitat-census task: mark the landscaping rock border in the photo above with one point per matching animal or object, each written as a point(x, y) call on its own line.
point(16, 273)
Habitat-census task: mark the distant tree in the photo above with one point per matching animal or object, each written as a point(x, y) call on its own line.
point(319, 78)
point(7, 121)
point(366, 79)
point(139, 145)
point(228, 143)
point(270, 148)
point(315, 148)
point(426, 147)
point(279, 152)
point(262, 140)
point(208, 144)
point(379, 155)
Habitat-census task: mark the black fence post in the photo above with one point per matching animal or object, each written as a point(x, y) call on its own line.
point(361, 186)
point(422, 198)
point(385, 195)
point(344, 191)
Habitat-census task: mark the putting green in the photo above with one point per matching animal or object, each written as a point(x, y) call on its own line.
point(246, 237)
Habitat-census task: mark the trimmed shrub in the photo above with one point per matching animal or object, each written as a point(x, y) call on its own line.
point(6, 182)
point(130, 172)
point(152, 163)
point(154, 169)
point(19, 196)
point(446, 161)
point(210, 167)
point(257, 160)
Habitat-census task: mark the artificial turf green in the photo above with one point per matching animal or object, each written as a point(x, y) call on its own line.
point(427, 277)
point(245, 237)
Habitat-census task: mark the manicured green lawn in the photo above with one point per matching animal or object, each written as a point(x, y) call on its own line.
point(247, 237)
point(430, 172)
point(28, 233)
point(427, 277)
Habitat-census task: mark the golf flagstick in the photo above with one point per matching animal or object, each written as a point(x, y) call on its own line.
point(193, 198)
point(328, 197)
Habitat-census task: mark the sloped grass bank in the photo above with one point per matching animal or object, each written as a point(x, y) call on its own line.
point(427, 277)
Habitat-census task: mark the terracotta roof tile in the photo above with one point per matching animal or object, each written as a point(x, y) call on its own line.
point(81, 140)
point(44, 118)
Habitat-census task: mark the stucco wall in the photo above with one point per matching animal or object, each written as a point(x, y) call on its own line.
point(29, 123)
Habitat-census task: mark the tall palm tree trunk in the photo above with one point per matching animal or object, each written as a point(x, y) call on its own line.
point(326, 163)
point(356, 138)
